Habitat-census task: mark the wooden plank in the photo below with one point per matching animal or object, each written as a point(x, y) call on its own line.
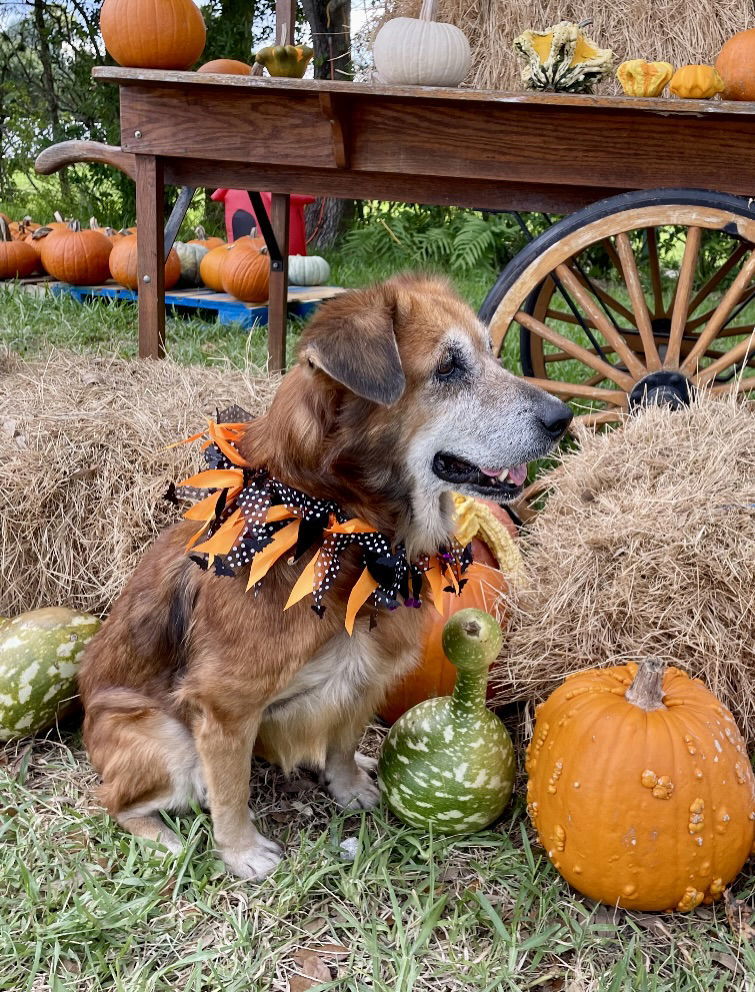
point(505, 142)
point(285, 21)
point(280, 213)
point(150, 256)
point(657, 105)
point(462, 192)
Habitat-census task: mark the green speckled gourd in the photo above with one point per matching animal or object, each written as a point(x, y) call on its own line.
point(562, 58)
point(448, 762)
point(38, 663)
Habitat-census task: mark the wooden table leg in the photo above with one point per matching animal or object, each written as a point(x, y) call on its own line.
point(150, 256)
point(278, 301)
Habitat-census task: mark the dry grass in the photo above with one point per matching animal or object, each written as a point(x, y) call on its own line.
point(646, 546)
point(84, 466)
point(650, 29)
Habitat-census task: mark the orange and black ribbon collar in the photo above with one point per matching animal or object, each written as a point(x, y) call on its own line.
point(250, 519)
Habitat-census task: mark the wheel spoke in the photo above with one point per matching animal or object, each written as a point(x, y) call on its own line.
point(613, 396)
point(720, 314)
point(603, 296)
point(601, 417)
point(655, 271)
point(739, 252)
point(732, 357)
point(568, 318)
point(681, 298)
point(575, 350)
point(606, 328)
point(639, 304)
point(739, 385)
point(561, 356)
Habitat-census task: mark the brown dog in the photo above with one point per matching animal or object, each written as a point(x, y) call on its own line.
point(396, 401)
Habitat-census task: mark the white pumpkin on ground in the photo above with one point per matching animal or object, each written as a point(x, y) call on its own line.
point(307, 270)
point(421, 51)
point(39, 656)
point(190, 257)
point(448, 763)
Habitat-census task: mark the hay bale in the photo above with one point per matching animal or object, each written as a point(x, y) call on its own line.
point(645, 546)
point(83, 467)
point(672, 32)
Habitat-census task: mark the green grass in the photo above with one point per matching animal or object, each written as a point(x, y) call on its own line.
point(84, 906)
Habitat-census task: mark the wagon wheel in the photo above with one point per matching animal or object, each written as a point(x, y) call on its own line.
point(618, 339)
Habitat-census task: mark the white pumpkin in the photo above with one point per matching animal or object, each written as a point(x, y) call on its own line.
point(307, 270)
point(190, 257)
point(421, 52)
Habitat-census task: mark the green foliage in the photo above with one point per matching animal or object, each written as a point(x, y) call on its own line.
point(459, 241)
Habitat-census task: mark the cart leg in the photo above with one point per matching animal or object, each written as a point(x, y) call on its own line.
point(278, 302)
point(150, 256)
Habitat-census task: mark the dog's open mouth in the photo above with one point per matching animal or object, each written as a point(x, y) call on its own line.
point(503, 483)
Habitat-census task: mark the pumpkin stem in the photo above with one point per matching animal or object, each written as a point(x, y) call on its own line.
point(5, 234)
point(585, 23)
point(93, 224)
point(41, 232)
point(646, 691)
point(429, 10)
point(200, 233)
point(74, 225)
point(58, 216)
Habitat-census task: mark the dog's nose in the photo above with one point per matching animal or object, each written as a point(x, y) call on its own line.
point(555, 417)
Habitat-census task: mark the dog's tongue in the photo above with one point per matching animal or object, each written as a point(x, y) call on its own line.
point(517, 474)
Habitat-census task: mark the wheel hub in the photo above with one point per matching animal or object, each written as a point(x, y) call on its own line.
point(663, 388)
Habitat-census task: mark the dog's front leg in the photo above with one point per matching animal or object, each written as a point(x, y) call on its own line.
point(346, 771)
point(225, 750)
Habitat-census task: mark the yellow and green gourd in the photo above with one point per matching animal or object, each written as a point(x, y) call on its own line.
point(562, 58)
point(448, 763)
point(285, 60)
point(39, 656)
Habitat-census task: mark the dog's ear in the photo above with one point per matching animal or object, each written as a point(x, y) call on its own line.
point(353, 340)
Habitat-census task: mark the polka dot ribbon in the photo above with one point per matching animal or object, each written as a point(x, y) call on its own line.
point(250, 519)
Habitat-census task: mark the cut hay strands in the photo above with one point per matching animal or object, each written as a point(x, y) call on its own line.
point(80, 536)
point(644, 546)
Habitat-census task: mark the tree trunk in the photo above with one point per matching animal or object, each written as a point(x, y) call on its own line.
point(48, 82)
point(330, 22)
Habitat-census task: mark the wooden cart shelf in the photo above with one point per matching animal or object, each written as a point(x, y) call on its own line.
point(549, 152)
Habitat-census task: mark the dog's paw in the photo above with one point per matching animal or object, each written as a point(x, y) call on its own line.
point(254, 862)
point(355, 790)
point(366, 762)
point(166, 838)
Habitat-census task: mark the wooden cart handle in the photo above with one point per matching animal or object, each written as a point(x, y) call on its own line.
point(56, 157)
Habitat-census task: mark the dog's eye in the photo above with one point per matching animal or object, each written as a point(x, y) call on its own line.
point(447, 367)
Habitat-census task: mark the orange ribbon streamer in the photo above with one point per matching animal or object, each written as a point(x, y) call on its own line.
point(215, 478)
point(361, 592)
point(225, 537)
point(263, 561)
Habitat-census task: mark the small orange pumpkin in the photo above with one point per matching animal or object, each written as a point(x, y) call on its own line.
point(640, 787)
point(230, 67)
point(246, 271)
point(205, 242)
point(124, 264)
point(153, 34)
point(211, 267)
point(17, 259)
point(76, 256)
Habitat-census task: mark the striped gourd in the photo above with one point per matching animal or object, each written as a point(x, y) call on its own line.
point(449, 762)
point(562, 58)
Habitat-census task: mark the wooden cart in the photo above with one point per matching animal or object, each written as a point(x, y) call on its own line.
point(555, 153)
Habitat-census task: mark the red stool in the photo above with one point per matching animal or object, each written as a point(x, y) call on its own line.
point(240, 218)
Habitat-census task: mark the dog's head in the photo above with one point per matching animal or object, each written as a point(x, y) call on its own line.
point(419, 405)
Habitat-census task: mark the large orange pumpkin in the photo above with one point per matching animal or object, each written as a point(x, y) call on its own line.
point(736, 66)
point(640, 787)
point(77, 256)
point(434, 675)
point(153, 34)
point(17, 259)
point(246, 271)
point(124, 264)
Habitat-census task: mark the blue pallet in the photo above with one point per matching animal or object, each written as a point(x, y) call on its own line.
point(227, 309)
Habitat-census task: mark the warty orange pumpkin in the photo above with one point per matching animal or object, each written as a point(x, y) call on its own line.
point(76, 256)
point(124, 264)
point(153, 34)
point(640, 787)
point(17, 259)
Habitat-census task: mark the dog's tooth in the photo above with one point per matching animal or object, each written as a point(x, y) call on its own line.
point(502, 476)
